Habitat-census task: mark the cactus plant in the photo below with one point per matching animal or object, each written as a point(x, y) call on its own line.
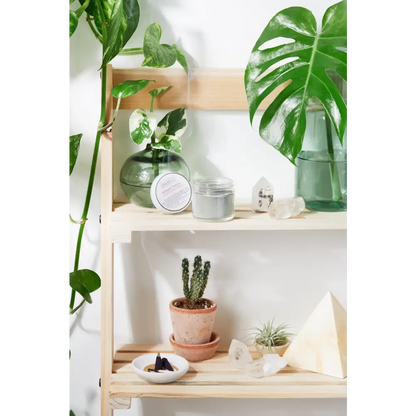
point(194, 287)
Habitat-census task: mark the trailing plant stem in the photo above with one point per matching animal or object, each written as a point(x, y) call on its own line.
point(93, 29)
point(90, 181)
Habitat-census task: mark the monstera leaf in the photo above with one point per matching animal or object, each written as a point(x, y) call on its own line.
point(316, 55)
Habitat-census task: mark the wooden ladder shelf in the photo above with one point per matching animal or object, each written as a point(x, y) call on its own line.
point(208, 89)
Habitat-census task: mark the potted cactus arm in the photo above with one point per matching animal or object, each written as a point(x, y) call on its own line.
point(192, 315)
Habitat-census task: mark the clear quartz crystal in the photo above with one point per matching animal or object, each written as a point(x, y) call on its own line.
point(267, 366)
point(239, 354)
point(281, 209)
point(262, 195)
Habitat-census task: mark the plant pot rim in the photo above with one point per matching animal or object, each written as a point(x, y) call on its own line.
point(274, 346)
point(214, 337)
point(213, 307)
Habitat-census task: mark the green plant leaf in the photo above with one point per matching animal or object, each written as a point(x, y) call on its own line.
point(283, 124)
point(157, 55)
point(169, 143)
point(90, 8)
point(73, 22)
point(181, 58)
point(155, 92)
point(141, 125)
point(84, 282)
point(71, 413)
point(129, 88)
point(74, 142)
point(121, 20)
point(173, 124)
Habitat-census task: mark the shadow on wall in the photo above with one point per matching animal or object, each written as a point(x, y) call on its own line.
point(271, 281)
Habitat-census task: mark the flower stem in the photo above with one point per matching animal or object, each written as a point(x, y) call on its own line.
point(90, 180)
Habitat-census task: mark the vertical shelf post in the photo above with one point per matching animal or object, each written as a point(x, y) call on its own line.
point(107, 255)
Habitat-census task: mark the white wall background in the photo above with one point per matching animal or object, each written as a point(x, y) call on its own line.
point(255, 275)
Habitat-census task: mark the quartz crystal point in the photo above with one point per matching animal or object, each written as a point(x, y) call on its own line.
point(267, 366)
point(239, 354)
point(282, 209)
point(262, 195)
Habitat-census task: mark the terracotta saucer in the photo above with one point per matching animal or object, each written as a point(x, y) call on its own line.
point(199, 352)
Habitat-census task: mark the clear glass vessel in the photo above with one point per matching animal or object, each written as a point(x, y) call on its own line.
point(213, 199)
point(321, 177)
point(141, 168)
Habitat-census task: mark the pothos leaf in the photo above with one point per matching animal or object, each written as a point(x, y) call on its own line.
point(74, 142)
point(283, 124)
point(155, 92)
point(129, 88)
point(141, 126)
point(157, 55)
point(73, 22)
point(90, 8)
point(169, 143)
point(84, 281)
point(121, 20)
point(181, 58)
point(173, 124)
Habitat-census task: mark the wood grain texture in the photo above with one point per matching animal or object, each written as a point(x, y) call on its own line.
point(120, 403)
point(206, 89)
point(217, 378)
point(128, 217)
point(107, 258)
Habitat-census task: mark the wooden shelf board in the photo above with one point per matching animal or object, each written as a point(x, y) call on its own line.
point(126, 218)
point(206, 89)
point(217, 378)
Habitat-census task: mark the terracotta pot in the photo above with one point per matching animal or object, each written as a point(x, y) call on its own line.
point(199, 352)
point(192, 326)
point(281, 349)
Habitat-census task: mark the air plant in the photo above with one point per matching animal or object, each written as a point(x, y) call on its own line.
point(270, 336)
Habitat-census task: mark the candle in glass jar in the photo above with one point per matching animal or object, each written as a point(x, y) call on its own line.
point(213, 199)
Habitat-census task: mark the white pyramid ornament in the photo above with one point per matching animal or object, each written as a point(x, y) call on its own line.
point(321, 345)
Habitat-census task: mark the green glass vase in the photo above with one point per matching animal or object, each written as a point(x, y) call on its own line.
point(141, 168)
point(321, 177)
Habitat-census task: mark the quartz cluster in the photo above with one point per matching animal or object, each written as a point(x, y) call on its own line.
point(268, 365)
point(263, 200)
point(281, 209)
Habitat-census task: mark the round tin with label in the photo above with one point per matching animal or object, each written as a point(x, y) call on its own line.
point(171, 193)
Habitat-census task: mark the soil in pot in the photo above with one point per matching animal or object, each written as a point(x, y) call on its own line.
point(186, 304)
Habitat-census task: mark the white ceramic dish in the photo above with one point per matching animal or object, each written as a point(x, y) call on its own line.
point(160, 378)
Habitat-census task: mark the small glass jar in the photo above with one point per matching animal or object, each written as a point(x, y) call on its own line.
point(213, 199)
